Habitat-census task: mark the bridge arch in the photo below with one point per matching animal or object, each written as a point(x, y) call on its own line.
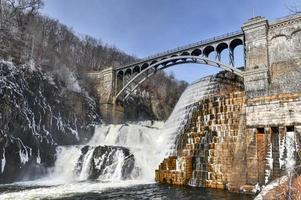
point(235, 46)
point(149, 70)
point(136, 70)
point(196, 52)
point(145, 65)
point(207, 50)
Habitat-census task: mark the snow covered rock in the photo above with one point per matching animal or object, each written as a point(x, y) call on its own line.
point(37, 113)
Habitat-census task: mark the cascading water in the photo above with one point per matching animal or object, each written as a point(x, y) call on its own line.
point(115, 153)
point(120, 155)
point(184, 108)
point(145, 143)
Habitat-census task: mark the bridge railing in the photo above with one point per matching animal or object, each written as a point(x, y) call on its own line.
point(196, 44)
point(287, 17)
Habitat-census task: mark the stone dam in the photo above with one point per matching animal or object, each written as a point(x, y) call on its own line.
point(245, 133)
point(237, 130)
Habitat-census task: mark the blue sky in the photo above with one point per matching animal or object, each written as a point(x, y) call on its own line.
point(146, 27)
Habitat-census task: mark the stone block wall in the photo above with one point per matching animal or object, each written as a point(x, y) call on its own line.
point(284, 39)
point(276, 110)
point(273, 60)
point(256, 79)
point(236, 143)
point(209, 144)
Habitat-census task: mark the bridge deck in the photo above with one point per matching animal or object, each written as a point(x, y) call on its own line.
point(186, 47)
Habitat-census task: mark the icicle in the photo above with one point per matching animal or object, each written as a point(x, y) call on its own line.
point(290, 150)
point(3, 161)
point(39, 157)
point(269, 159)
point(23, 156)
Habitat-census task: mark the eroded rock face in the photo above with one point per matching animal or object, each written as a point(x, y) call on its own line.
point(105, 162)
point(37, 113)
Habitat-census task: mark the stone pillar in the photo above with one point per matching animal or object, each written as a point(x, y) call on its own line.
point(257, 60)
point(111, 111)
point(275, 151)
point(261, 145)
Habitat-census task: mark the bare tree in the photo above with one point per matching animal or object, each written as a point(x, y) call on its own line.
point(295, 7)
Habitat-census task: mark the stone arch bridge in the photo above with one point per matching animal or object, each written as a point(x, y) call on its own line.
point(117, 84)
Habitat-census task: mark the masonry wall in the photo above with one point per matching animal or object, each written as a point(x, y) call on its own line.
point(210, 151)
point(275, 110)
point(236, 143)
point(284, 39)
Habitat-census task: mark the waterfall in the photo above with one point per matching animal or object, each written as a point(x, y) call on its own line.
point(184, 108)
point(114, 153)
point(132, 150)
point(119, 155)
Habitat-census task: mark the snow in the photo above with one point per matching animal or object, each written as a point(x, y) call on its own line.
point(32, 66)
point(74, 132)
point(270, 187)
point(256, 188)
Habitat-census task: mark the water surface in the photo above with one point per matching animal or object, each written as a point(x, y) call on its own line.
point(121, 191)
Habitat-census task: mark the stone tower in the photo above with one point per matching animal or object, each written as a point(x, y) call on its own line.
point(257, 61)
point(112, 111)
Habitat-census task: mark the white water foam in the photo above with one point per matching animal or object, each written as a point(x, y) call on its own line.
point(66, 190)
point(141, 139)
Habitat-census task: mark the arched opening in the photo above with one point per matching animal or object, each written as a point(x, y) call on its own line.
point(191, 72)
point(175, 55)
point(163, 60)
point(144, 66)
point(238, 52)
point(196, 52)
point(186, 61)
point(136, 70)
point(119, 80)
point(212, 55)
point(208, 50)
point(127, 76)
point(184, 54)
point(220, 50)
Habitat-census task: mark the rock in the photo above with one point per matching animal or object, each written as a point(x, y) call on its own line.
point(37, 113)
point(103, 161)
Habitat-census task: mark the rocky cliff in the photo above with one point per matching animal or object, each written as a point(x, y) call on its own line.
point(38, 112)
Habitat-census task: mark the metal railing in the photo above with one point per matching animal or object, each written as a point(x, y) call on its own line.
point(196, 44)
point(189, 46)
